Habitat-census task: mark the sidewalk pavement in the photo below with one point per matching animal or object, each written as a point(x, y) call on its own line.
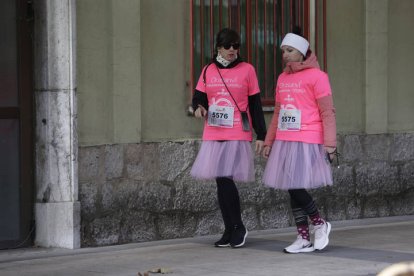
point(357, 247)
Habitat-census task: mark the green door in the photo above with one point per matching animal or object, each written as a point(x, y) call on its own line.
point(16, 113)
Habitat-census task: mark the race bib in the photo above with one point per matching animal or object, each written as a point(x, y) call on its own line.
point(289, 120)
point(220, 116)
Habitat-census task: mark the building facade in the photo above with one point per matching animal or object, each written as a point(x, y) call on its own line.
point(113, 142)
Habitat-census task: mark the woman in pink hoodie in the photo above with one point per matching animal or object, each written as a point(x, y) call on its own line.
point(301, 139)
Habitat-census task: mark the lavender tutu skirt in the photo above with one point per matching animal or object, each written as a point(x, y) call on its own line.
point(297, 165)
point(224, 159)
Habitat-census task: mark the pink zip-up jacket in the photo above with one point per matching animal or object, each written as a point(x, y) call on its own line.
point(305, 87)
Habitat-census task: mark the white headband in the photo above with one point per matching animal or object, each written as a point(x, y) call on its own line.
point(297, 42)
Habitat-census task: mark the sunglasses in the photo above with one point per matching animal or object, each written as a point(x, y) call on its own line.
point(235, 46)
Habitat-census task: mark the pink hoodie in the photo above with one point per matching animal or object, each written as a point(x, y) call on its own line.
point(304, 86)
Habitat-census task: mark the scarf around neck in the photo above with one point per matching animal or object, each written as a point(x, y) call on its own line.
point(223, 61)
point(310, 62)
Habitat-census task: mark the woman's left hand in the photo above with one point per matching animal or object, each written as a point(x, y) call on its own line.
point(258, 146)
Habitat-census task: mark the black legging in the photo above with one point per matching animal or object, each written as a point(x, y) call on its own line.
point(302, 206)
point(229, 202)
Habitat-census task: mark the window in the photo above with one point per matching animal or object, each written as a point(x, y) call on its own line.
point(262, 25)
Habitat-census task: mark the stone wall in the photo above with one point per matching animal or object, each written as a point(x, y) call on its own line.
point(142, 192)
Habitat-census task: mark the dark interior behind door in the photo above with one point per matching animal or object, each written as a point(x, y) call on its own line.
point(16, 126)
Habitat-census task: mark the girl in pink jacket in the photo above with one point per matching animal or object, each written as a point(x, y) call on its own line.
point(301, 140)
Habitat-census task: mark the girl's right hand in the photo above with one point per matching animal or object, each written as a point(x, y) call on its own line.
point(200, 112)
point(266, 151)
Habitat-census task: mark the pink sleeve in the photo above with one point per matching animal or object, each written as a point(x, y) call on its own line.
point(253, 82)
point(327, 111)
point(322, 86)
point(200, 84)
point(271, 131)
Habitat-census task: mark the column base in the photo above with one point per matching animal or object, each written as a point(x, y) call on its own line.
point(58, 224)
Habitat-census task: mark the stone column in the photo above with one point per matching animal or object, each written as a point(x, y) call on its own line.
point(376, 71)
point(57, 209)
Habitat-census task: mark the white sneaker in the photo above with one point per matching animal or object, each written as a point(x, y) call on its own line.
point(322, 235)
point(299, 246)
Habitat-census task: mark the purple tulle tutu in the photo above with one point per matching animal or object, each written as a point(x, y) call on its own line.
point(297, 165)
point(224, 159)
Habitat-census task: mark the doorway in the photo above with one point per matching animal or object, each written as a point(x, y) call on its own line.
point(16, 124)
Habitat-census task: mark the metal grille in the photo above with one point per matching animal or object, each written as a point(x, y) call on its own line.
point(262, 25)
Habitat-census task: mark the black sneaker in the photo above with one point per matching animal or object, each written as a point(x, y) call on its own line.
point(238, 236)
point(225, 239)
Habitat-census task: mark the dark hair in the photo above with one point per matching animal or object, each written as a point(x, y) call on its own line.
point(297, 30)
point(226, 36)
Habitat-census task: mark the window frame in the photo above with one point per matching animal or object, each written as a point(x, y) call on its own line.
point(314, 15)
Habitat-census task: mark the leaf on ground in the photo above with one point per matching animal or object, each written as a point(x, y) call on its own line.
point(161, 270)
